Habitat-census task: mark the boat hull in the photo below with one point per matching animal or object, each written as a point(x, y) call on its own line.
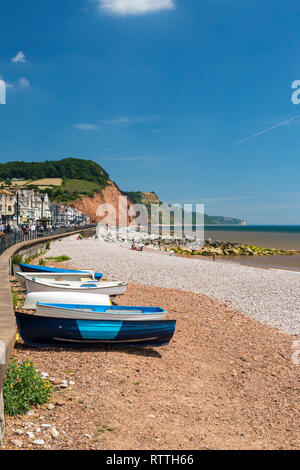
point(64, 297)
point(62, 277)
point(104, 287)
point(35, 268)
point(42, 331)
point(99, 312)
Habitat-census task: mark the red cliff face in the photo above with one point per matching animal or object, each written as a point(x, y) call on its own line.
point(110, 195)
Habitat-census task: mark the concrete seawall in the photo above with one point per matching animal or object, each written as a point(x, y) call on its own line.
point(7, 317)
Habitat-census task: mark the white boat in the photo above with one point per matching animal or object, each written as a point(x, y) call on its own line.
point(86, 277)
point(99, 312)
point(64, 298)
point(36, 268)
point(102, 287)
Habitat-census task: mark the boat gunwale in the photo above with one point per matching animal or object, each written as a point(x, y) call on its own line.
point(88, 307)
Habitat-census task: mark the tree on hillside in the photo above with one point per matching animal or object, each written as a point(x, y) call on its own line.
point(67, 168)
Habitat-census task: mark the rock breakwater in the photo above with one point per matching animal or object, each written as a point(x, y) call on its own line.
point(186, 245)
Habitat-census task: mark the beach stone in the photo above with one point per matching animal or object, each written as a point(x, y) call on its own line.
point(59, 402)
point(17, 442)
point(30, 435)
point(19, 432)
point(54, 433)
point(39, 442)
point(50, 406)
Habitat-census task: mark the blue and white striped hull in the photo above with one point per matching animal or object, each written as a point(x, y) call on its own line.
point(43, 331)
point(46, 269)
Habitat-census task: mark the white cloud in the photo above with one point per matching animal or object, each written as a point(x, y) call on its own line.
point(20, 57)
point(142, 160)
point(120, 121)
point(124, 121)
point(24, 83)
point(134, 7)
point(86, 127)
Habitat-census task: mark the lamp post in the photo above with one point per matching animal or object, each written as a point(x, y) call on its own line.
point(17, 207)
point(42, 207)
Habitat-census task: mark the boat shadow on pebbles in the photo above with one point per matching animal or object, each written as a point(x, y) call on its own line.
point(130, 350)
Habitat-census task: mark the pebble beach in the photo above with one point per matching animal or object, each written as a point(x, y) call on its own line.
point(226, 380)
point(266, 295)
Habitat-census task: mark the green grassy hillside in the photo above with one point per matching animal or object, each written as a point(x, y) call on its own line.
point(67, 168)
point(73, 189)
point(79, 177)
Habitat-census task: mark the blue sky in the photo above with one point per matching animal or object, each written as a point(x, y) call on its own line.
point(188, 98)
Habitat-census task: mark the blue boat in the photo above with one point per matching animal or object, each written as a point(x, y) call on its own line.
point(41, 331)
point(45, 269)
point(99, 312)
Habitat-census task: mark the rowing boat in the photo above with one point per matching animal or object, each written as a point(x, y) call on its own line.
point(36, 268)
point(44, 331)
point(64, 298)
point(99, 312)
point(102, 287)
point(61, 277)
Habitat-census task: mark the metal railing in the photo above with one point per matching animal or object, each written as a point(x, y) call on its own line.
point(12, 238)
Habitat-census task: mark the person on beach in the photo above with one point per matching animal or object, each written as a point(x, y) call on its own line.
point(32, 230)
point(2, 233)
